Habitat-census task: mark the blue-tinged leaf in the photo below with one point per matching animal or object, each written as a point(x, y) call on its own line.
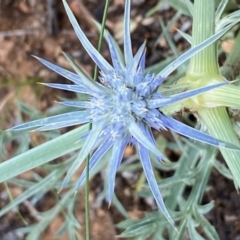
point(148, 133)
point(96, 157)
point(137, 133)
point(156, 82)
point(67, 123)
point(77, 68)
point(139, 75)
point(93, 53)
point(193, 51)
point(80, 116)
point(195, 134)
point(86, 149)
point(77, 104)
point(127, 34)
point(165, 100)
point(113, 42)
point(68, 87)
point(141, 66)
point(67, 74)
point(137, 58)
point(147, 167)
point(116, 59)
point(117, 155)
point(87, 81)
point(132, 67)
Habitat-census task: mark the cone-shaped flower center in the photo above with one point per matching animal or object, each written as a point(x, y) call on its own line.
point(125, 102)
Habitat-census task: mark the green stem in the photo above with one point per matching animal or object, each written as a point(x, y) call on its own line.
point(205, 62)
point(223, 130)
point(87, 218)
point(11, 200)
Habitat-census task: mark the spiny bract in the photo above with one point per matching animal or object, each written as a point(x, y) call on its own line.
point(122, 109)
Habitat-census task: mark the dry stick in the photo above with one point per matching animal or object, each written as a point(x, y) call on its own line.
point(52, 22)
point(20, 32)
point(32, 210)
point(85, 13)
point(4, 101)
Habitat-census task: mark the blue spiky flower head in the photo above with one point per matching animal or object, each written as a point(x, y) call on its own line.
point(122, 108)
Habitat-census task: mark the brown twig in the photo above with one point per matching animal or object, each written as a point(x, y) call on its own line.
point(32, 210)
point(20, 32)
point(52, 21)
point(82, 12)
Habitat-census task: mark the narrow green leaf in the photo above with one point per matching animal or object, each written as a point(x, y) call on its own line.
point(185, 36)
point(194, 235)
point(220, 9)
point(42, 154)
point(41, 187)
point(86, 149)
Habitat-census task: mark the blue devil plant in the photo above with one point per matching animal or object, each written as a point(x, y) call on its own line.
point(122, 108)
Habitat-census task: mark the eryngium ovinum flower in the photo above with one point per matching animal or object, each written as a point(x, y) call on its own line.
point(122, 109)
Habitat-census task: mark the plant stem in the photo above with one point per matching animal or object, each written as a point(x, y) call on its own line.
point(205, 62)
point(87, 218)
point(223, 130)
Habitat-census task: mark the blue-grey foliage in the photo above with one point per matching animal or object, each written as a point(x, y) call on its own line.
point(123, 108)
